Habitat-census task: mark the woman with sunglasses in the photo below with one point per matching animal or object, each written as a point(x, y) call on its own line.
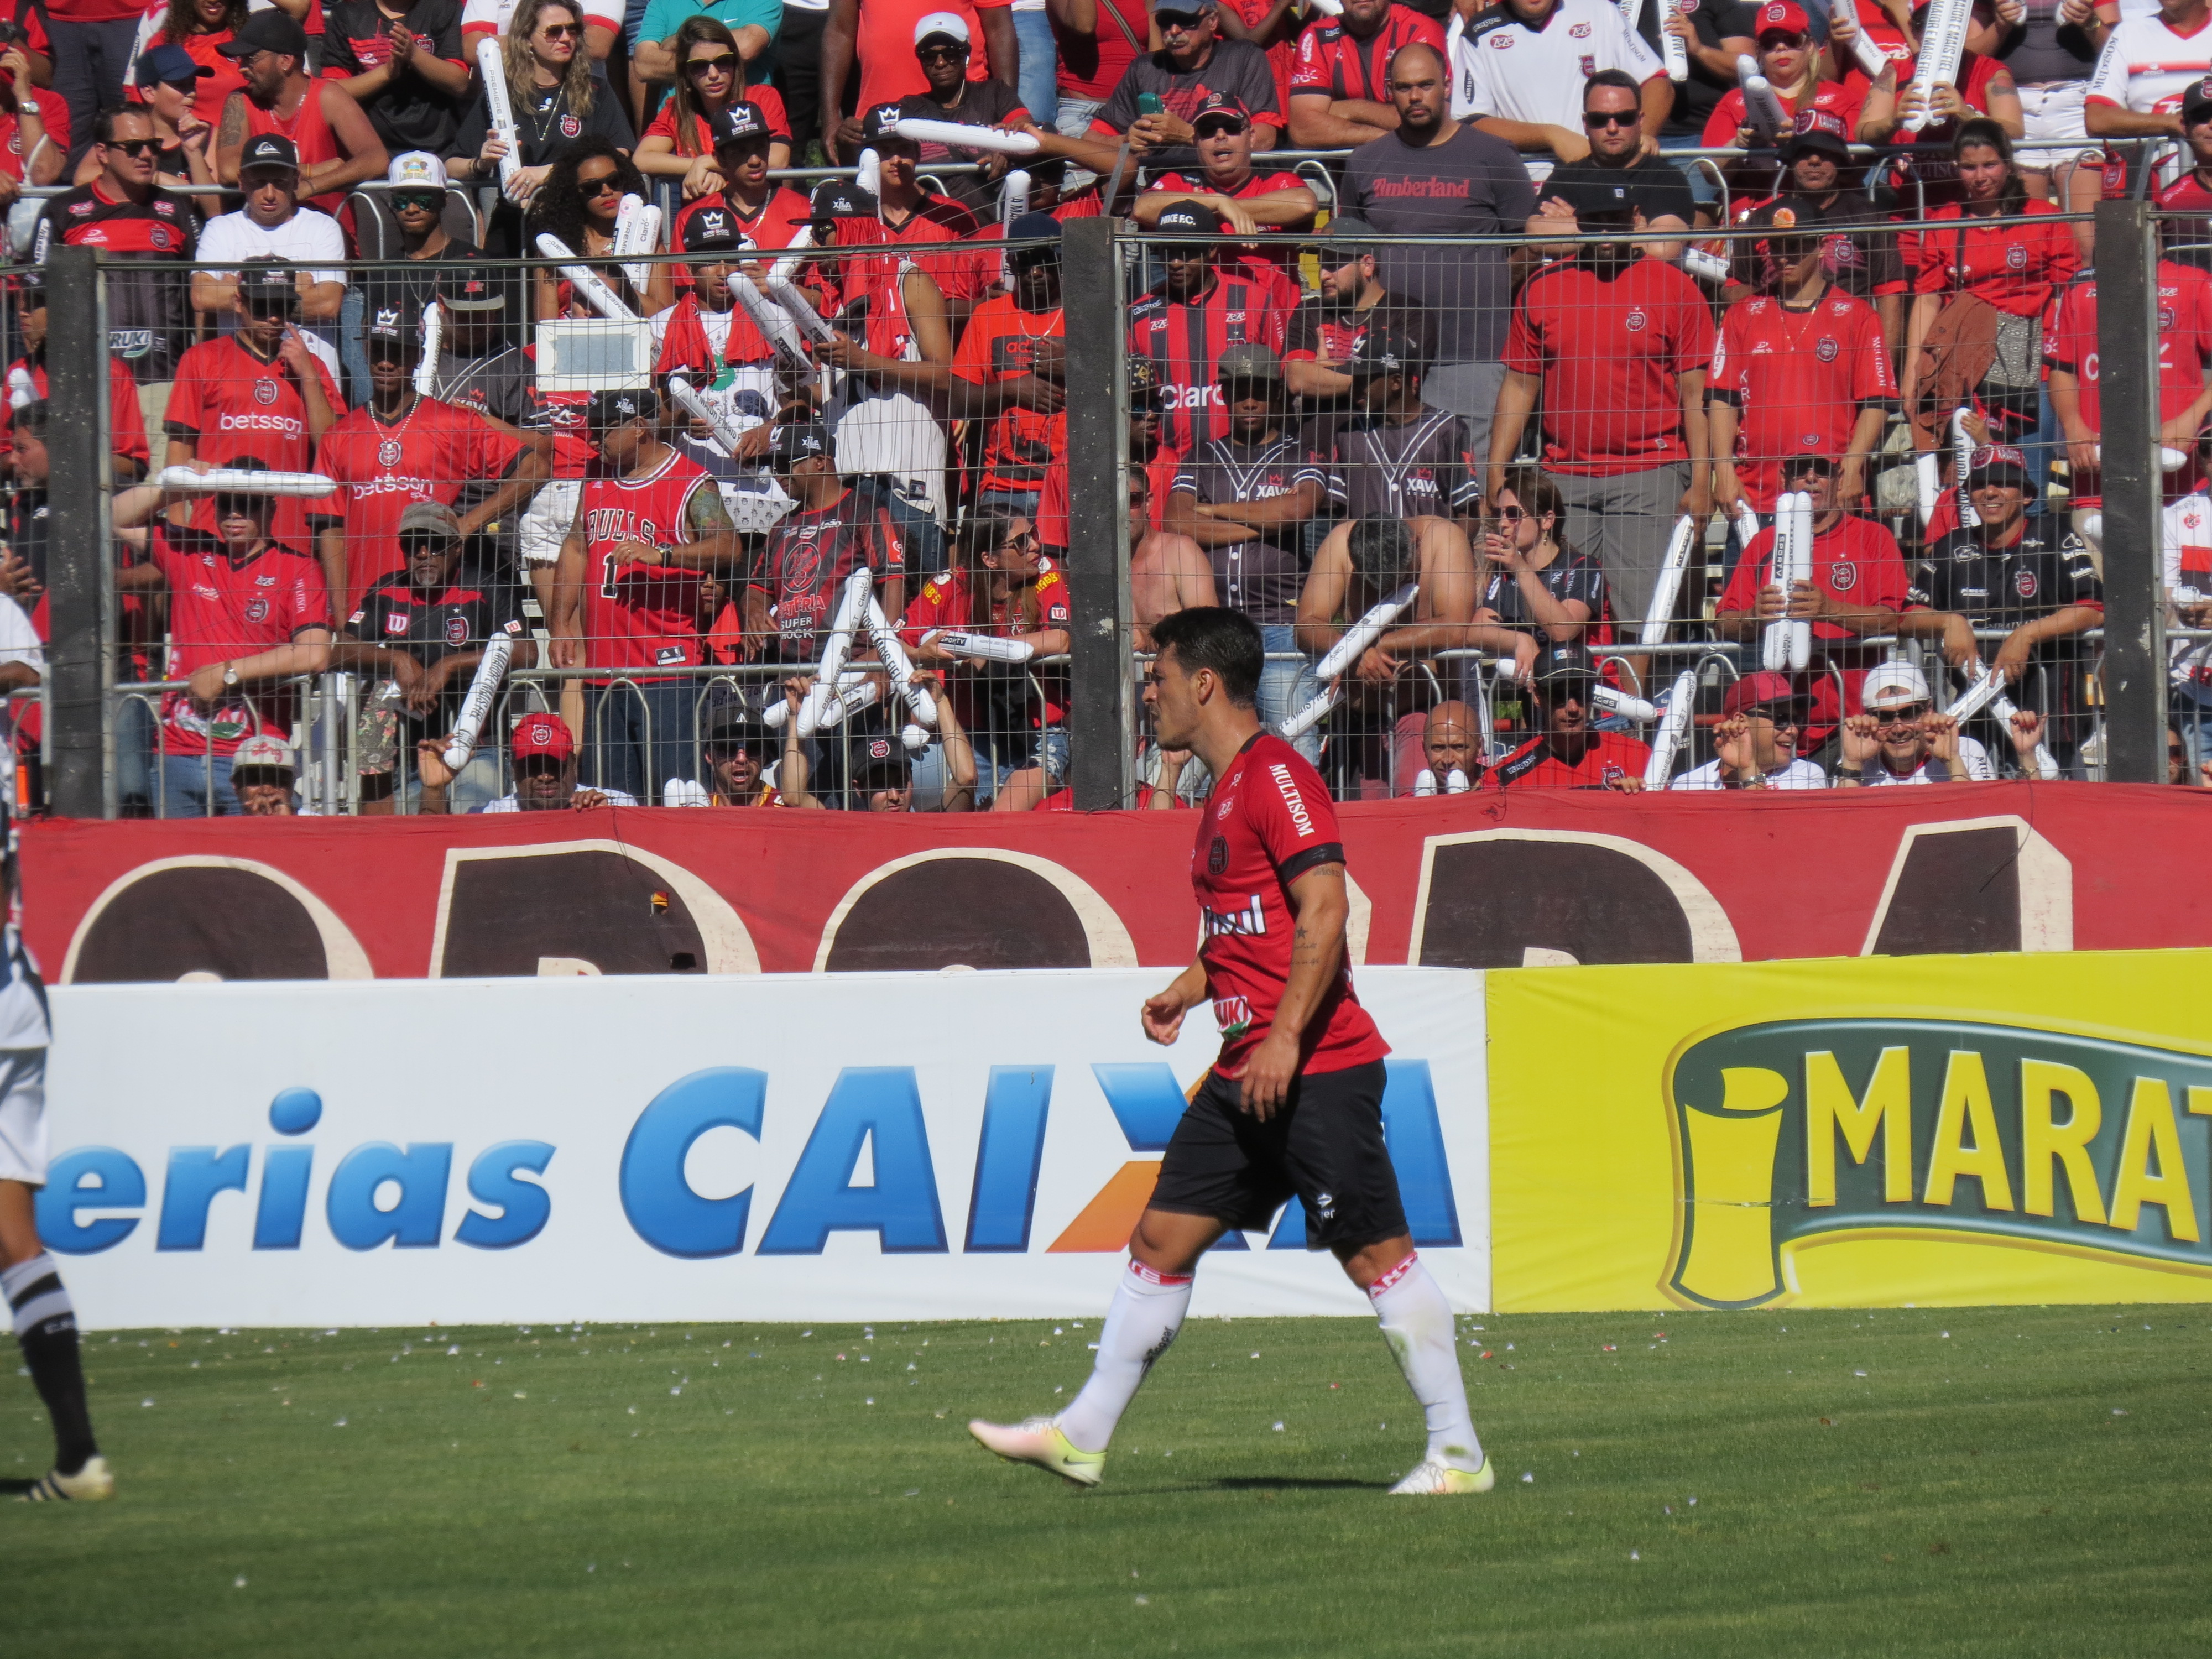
point(1532, 577)
point(578, 202)
point(168, 82)
point(710, 76)
point(558, 98)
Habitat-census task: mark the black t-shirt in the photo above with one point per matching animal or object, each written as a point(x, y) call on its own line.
point(410, 113)
point(1472, 185)
point(408, 290)
point(26, 528)
point(546, 128)
point(432, 627)
point(1570, 575)
point(2041, 48)
point(1235, 66)
point(2003, 587)
point(1655, 186)
point(1696, 98)
point(983, 104)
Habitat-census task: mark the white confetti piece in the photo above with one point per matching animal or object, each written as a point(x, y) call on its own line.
point(1278, 1428)
point(144, 1403)
point(1528, 1477)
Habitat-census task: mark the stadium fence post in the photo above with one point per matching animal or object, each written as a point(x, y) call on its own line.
point(80, 570)
point(2135, 598)
point(1100, 718)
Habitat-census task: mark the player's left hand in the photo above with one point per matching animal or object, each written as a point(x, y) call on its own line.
point(1268, 1076)
point(632, 552)
point(1163, 1016)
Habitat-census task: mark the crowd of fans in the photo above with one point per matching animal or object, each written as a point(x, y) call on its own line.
point(1479, 362)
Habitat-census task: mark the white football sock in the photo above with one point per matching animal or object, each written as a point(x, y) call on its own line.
point(1146, 1313)
point(1417, 1323)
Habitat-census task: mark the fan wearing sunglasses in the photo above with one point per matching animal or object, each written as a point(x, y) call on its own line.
point(1612, 113)
point(578, 203)
point(1903, 738)
point(681, 142)
point(1755, 745)
point(558, 98)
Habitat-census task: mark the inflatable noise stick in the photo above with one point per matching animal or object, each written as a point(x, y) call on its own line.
point(986, 647)
point(1667, 742)
point(1344, 653)
point(893, 656)
point(238, 481)
point(1660, 617)
point(1962, 461)
point(1762, 109)
point(852, 612)
point(597, 294)
point(849, 682)
point(1869, 56)
point(773, 320)
point(1986, 691)
point(1614, 701)
point(1672, 51)
point(686, 398)
point(788, 267)
point(1787, 643)
point(1942, 43)
point(637, 230)
point(476, 707)
point(1455, 783)
point(795, 306)
point(953, 135)
point(433, 341)
point(491, 61)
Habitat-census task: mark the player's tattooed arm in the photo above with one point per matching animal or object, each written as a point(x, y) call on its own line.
point(230, 138)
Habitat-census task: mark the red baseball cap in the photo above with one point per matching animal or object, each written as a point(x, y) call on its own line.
point(1786, 15)
point(1756, 691)
point(541, 733)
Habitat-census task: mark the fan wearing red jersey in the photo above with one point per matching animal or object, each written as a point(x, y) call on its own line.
point(1340, 89)
point(1568, 752)
point(1252, 202)
point(2184, 388)
point(243, 609)
point(1293, 1106)
point(401, 447)
point(626, 593)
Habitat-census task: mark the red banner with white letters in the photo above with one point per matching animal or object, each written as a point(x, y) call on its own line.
point(1479, 881)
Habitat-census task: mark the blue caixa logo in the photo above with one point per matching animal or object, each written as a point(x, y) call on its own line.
point(872, 1109)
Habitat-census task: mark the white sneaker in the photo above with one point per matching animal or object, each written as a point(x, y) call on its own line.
point(1038, 1440)
point(95, 1481)
point(1434, 1478)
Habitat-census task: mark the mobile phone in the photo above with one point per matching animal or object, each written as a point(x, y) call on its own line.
point(1149, 103)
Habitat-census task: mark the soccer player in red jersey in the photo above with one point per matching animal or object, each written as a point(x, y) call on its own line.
point(260, 391)
point(1293, 1104)
point(401, 447)
point(1860, 586)
point(244, 608)
point(1569, 752)
point(1206, 303)
point(1340, 77)
point(1804, 369)
point(626, 593)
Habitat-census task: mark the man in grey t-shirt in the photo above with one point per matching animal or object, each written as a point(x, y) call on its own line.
point(1440, 177)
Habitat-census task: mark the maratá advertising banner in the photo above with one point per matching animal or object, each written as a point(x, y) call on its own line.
point(1853, 1132)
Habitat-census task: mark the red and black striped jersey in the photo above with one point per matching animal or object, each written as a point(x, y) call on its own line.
point(148, 312)
point(810, 555)
point(1184, 342)
point(1331, 59)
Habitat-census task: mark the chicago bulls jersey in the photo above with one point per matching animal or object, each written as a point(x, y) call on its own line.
point(641, 615)
point(1269, 820)
point(810, 555)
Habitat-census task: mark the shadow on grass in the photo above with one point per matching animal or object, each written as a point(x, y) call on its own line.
point(11, 1487)
point(1293, 1483)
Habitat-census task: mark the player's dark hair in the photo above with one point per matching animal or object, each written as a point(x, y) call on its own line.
point(1619, 80)
point(30, 419)
point(1381, 549)
point(1213, 636)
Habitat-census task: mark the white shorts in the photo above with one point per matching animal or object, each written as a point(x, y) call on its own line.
point(23, 1115)
point(2053, 114)
point(545, 521)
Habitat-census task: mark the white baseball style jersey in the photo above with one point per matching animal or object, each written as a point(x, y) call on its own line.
point(2146, 66)
point(2189, 543)
point(1504, 68)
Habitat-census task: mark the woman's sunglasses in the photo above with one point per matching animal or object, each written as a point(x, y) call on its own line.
point(1511, 514)
point(563, 31)
point(601, 186)
point(727, 64)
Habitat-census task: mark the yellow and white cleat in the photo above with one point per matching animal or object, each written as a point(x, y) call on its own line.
point(1038, 1440)
point(1437, 1479)
point(95, 1481)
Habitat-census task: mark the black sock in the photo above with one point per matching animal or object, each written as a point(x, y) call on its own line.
point(46, 1329)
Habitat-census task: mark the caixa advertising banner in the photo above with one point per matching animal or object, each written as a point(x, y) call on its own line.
point(1975, 1129)
point(882, 1145)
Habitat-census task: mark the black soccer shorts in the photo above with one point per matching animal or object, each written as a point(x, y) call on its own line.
point(1324, 1144)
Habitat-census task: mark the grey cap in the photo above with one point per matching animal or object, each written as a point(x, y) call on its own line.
point(433, 516)
point(1247, 360)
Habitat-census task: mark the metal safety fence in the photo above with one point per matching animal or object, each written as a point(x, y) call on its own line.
point(1688, 477)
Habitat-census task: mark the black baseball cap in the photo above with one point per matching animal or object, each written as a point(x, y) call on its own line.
point(881, 764)
point(387, 326)
point(738, 124)
point(264, 279)
point(610, 409)
point(272, 30)
point(1563, 664)
point(712, 229)
point(795, 440)
point(841, 198)
point(880, 123)
point(269, 149)
point(1385, 351)
point(1189, 218)
point(1035, 227)
point(1343, 241)
point(469, 290)
point(732, 727)
point(2199, 97)
point(1222, 107)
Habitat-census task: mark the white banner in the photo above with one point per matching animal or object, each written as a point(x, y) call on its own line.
point(956, 1145)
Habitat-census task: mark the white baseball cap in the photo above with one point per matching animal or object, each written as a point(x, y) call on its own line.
point(264, 751)
point(418, 167)
point(942, 22)
point(1894, 685)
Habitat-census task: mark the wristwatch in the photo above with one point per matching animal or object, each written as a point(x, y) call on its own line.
point(230, 673)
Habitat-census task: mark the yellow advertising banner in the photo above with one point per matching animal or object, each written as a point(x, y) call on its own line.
point(1866, 1132)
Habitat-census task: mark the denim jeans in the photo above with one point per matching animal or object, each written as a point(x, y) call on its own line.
point(1039, 82)
point(638, 737)
point(1287, 687)
point(185, 787)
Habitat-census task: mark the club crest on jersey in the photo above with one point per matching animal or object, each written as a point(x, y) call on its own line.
point(264, 392)
point(256, 608)
point(1826, 350)
point(1635, 321)
point(161, 237)
point(2016, 257)
point(1687, 7)
point(570, 126)
point(1217, 856)
point(456, 630)
point(2023, 583)
point(2165, 317)
point(1613, 775)
point(1589, 64)
point(388, 452)
point(1842, 574)
point(1580, 31)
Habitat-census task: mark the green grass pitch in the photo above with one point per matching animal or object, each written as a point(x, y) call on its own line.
point(1985, 1481)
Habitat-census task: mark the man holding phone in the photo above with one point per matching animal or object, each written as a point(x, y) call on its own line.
point(1159, 95)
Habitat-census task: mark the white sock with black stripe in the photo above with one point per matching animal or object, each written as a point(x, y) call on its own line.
point(1146, 1314)
point(45, 1330)
point(1417, 1323)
